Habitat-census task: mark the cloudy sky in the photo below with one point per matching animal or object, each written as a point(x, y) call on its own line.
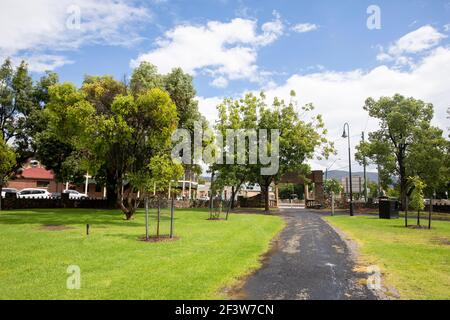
point(323, 50)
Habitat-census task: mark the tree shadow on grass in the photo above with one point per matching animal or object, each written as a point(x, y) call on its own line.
point(137, 237)
point(99, 218)
point(65, 217)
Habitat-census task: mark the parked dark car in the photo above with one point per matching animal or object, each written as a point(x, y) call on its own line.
point(9, 192)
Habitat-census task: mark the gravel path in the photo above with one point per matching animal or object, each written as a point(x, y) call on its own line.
point(309, 261)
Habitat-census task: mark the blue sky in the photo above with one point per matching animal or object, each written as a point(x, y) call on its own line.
point(341, 42)
point(322, 49)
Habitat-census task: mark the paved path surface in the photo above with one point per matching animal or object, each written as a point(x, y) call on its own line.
point(309, 261)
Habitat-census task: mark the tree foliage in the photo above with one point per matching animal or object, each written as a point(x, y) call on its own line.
point(406, 143)
point(417, 193)
point(299, 139)
point(373, 189)
point(21, 105)
point(331, 186)
point(286, 190)
point(113, 129)
point(124, 139)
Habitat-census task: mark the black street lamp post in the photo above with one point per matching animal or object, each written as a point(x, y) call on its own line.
point(346, 134)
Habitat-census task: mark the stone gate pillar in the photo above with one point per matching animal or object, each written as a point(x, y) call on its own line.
point(317, 178)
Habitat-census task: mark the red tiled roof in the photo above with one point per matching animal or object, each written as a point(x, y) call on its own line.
point(37, 173)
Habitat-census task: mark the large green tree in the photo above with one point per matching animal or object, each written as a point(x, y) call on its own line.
point(181, 89)
point(178, 84)
point(62, 145)
point(140, 129)
point(238, 114)
point(64, 158)
point(406, 143)
point(101, 91)
point(123, 139)
point(56, 154)
point(298, 139)
point(21, 105)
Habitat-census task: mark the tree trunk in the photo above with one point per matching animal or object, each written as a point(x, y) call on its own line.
point(228, 210)
point(430, 210)
point(406, 212)
point(266, 201)
point(211, 194)
point(233, 195)
point(111, 190)
point(266, 198)
point(403, 185)
point(129, 212)
point(127, 207)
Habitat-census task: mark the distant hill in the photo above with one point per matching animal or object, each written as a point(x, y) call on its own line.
point(339, 174)
point(332, 174)
point(207, 178)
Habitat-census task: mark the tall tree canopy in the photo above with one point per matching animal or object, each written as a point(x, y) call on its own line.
point(237, 115)
point(298, 141)
point(21, 104)
point(106, 143)
point(112, 132)
point(181, 89)
point(406, 143)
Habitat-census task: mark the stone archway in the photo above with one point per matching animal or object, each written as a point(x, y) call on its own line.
point(316, 177)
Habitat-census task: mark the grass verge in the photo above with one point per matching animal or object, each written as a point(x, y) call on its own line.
point(415, 261)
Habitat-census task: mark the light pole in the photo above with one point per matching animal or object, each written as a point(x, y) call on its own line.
point(346, 134)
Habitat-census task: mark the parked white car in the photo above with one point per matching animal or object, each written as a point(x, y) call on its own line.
point(75, 195)
point(8, 190)
point(33, 193)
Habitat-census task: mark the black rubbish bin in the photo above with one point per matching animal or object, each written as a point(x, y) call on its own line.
point(388, 208)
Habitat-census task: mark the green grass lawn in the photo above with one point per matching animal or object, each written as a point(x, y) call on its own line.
point(209, 255)
point(415, 261)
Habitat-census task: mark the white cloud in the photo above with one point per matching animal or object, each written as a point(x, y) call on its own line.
point(417, 41)
point(220, 82)
point(42, 62)
point(304, 27)
point(225, 50)
point(421, 39)
point(340, 96)
point(35, 28)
